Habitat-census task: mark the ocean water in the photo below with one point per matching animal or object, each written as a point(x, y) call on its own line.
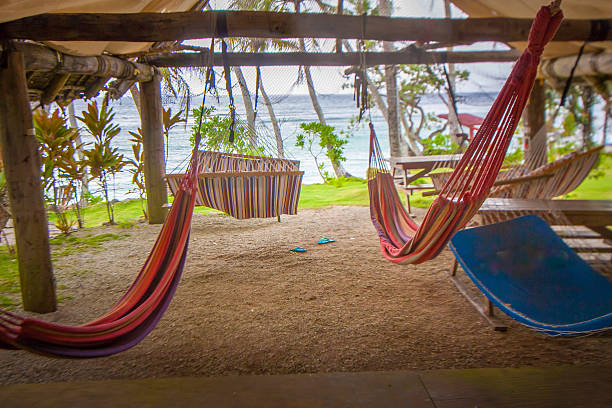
point(291, 110)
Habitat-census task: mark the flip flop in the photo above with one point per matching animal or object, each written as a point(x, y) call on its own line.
point(325, 241)
point(298, 249)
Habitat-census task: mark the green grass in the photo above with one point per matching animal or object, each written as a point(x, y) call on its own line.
point(60, 246)
point(127, 213)
point(597, 185)
point(343, 191)
point(63, 245)
point(336, 192)
point(9, 280)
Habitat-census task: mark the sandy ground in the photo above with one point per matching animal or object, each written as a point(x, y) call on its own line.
point(246, 305)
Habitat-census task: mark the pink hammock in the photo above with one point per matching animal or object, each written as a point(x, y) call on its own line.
point(401, 239)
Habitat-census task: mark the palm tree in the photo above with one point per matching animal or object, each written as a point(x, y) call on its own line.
point(336, 165)
point(261, 45)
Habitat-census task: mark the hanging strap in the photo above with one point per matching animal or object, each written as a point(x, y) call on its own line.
point(568, 83)
point(451, 93)
point(208, 85)
point(257, 79)
point(361, 77)
point(228, 87)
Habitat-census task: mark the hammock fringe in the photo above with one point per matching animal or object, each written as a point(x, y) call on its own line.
point(404, 241)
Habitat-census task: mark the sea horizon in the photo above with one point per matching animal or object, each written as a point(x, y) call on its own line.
point(290, 110)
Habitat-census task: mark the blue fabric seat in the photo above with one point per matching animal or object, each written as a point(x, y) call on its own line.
point(528, 272)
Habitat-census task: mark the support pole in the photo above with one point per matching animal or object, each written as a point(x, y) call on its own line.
point(535, 146)
point(153, 150)
point(22, 170)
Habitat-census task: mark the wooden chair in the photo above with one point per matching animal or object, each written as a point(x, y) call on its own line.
point(554, 179)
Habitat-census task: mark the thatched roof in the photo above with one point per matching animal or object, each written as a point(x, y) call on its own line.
point(78, 85)
point(572, 9)
point(16, 9)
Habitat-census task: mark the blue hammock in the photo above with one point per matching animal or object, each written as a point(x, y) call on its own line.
point(528, 272)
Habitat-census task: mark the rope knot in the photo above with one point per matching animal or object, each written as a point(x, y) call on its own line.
point(542, 31)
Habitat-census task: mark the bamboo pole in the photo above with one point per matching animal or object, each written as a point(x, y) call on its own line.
point(590, 64)
point(153, 150)
point(54, 87)
point(329, 59)
point(22, 170)
point(41, 58)
point(147, 27)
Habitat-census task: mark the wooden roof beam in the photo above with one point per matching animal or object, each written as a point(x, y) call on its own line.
point(329, 59)
point(41, 58)
point(145, 27)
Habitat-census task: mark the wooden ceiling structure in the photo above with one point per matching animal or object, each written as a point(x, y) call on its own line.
point(65, 70)
point(51, 51)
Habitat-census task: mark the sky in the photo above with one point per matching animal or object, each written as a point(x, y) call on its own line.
point(484, 77)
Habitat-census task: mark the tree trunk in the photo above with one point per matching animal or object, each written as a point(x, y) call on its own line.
point(79, 150)
point(453, 120)
point(393, 120)
point(248, 105)
point(411, 140)
point(607, 112)
point(136, 98)
point(153, 150)
point(339, 170)
point(409, 145)
point(280, 148)
point(22, 171)
point(588, 100)
point(535, 153)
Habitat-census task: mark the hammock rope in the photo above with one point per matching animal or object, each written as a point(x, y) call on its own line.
point(404, 241)
point(243, 185)
point(137, 313)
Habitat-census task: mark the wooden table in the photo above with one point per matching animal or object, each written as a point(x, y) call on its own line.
point(425, 163)
point(594, 214)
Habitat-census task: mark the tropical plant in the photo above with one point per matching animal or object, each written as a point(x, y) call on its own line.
point(102, 159)
point(439, 143)
point(137, 168)
point(61, 171)
point(5, 213)
point(573, 123)
point(74, 171)
point(215, 133)
point(169, 121)
point(316, 134)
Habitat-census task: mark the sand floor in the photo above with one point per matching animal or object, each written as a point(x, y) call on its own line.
point(247, 305)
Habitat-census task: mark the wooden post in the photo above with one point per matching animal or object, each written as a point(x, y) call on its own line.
point(153, 149)
point(22, 169)
point(535, 135)
point(339, 11)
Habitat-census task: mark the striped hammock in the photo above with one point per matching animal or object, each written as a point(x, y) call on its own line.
point(550, 180)
point(401, 239)
point(245, 186)
point(134, 315)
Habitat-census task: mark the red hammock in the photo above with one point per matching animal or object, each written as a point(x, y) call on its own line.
point(135, 315)
point(401, 239)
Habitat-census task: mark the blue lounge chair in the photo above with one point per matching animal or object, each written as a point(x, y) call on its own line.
point(525, 269)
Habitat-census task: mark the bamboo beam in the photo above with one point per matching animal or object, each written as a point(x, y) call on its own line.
point(22, 169)
point(54, 87)
point(330, 59)
point(153, 150)
point(96, 87)
point(41, 58)
point(590, 64)
point(146, 27)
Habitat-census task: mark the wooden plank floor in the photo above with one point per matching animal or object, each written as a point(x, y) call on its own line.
point(568, 386)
